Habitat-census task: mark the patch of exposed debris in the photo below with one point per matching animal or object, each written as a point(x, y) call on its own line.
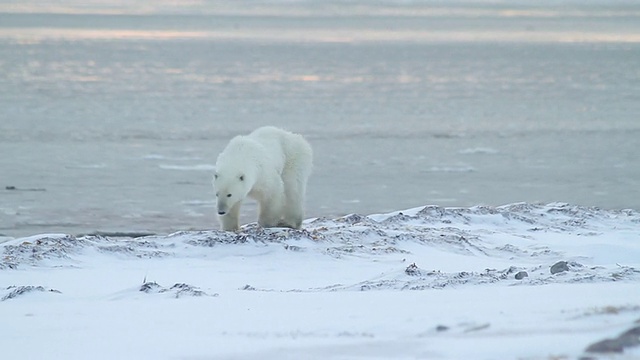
point(177, 290)
point(13, 292)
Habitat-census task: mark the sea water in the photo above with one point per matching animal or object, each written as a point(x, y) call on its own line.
point(112, 114)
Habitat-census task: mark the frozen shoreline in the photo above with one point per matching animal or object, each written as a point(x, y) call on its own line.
point(421, 283)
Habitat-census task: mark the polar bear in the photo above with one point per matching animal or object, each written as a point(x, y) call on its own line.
point(269, 165)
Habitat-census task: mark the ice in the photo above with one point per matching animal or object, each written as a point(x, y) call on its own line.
point(451, 169)
point(478, 150)
point(198, 167)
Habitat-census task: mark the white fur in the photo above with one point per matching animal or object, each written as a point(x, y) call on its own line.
point(269, 165)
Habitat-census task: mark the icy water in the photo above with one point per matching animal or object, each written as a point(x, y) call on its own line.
point(112, 115)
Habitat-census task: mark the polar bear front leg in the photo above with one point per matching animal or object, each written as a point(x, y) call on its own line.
point(231, 220)
point(271, 212)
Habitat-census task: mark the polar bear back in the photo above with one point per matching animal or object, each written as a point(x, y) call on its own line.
point(249, 157)
point(291, 150)
point(267, 148)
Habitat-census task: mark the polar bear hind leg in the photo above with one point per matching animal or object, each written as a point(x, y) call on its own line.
point(294, 208)
point(294, 177)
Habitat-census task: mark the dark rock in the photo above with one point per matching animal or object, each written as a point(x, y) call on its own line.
point(606, 346)
point(560, 266)
point(412, 270)
point(521, 275)
point(629, 338)
point(11, 187)
point(441, 328)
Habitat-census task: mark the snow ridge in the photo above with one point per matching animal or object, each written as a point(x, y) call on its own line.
point(514, 233)
point(480, 282)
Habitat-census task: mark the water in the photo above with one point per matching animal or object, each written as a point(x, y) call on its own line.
point(111, 119)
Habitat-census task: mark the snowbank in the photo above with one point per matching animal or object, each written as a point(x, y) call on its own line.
point(518, 281)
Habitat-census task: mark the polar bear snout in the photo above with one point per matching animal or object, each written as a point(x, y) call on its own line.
point(222, 208)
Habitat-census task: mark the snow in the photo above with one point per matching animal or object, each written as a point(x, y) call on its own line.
point(428, 282)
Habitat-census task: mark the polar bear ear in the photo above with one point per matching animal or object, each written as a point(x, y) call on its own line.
point(241, 177)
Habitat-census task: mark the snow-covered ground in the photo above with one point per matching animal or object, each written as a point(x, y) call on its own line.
point(112, 113)
point(426, 283)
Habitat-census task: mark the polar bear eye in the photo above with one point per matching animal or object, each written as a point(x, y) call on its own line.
point(217, 194)
point(241, 177)
point(228, 195)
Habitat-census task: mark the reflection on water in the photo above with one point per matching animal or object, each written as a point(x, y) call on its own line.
point(318, 21)
point(34, 36)
point(119, 118)
point(391, 8)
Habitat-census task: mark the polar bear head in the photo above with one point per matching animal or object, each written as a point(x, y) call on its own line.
point(237, 170)
point(230, 189)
